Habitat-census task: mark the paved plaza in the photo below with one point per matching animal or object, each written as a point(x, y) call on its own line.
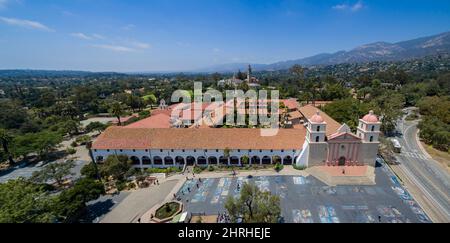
point(308, 200)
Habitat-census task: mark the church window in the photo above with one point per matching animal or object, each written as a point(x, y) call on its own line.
point(373, 128)
point(317, 139)
point(371, 138)
point(318, 128)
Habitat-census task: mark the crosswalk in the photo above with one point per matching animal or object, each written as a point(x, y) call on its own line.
point(414, 155)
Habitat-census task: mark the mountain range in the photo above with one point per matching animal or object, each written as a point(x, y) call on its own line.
point(378, 51)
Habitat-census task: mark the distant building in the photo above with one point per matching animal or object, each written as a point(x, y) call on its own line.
point(252, 82)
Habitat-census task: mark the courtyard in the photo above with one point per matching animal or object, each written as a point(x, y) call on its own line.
point(308, 200)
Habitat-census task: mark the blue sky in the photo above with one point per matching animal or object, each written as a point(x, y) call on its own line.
point(175, 35)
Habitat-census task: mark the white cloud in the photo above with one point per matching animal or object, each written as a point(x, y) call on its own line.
point(115, 48)
point(97, 36)
point(340, 7)
point(352, 7)
point(358, 6)
point(129, 27)
point(81, 36)
point(140, 45)
point(25, 23)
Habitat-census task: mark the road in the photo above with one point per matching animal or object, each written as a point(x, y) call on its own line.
point(426, 177)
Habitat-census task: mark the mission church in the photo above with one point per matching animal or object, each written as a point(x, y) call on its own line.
point(313, 139)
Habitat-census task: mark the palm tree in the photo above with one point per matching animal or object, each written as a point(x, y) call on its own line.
point(117, 111)
point(5, 140)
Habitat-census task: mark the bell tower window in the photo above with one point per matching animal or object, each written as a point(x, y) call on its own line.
point(318, 128)
point(317, 139)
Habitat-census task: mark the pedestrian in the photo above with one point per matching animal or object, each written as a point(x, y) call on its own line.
point(379, 218)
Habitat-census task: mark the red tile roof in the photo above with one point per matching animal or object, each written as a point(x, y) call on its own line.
point(161, 120)
point(308, 111)
point(172, 138)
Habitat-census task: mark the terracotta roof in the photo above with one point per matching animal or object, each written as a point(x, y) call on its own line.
point(161, 120)
point(294, 115)
point(291, 104)
point(308, 111)
point(172, 138)
point(370, 118)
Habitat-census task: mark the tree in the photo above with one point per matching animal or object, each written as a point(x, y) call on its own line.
point(90, 171)
point(57, 172)
point(245, 160)
point(116, 166)
point(227, 152)
point(254, 206)
point(347, 111)
point(41, 143)
point(72, 202)
point(5, 140)
point(96, 126)
point(117, 111)
point(150, 99)
point(24, 202)
point(389, 106)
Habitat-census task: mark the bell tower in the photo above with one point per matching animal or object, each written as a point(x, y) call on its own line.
point(369, 128)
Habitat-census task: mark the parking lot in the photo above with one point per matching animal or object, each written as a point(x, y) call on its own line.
point(308, 200)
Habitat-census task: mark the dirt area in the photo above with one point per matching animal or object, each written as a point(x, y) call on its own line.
point(440, 156)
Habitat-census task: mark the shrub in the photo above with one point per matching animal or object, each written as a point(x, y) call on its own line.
point(278, 167)
point(74, 144)
point(83, 139)
point(89, 171)
point(199, 169)
point(211, 168)
point(71, 151)
point(121, 185)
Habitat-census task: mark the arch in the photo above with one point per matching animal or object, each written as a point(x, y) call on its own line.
point(276, 159)
point(146, 160)
point(255, 160)
point(99, 159)
point(342, 161)
point(135, 160)
point(318, 128)
point(287, 160)
point(190, 160)
point(212, 161)
point(266, 160)
point(179, 160)
point(317, 139)
point(202, 160)
point(223, 160)
point(168, 160)
point(234, 160)
point(157, 160)
point(371, 139)
point(373, 128)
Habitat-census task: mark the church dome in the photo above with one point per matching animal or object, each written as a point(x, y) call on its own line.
point(370, 118)
point(317, 118)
